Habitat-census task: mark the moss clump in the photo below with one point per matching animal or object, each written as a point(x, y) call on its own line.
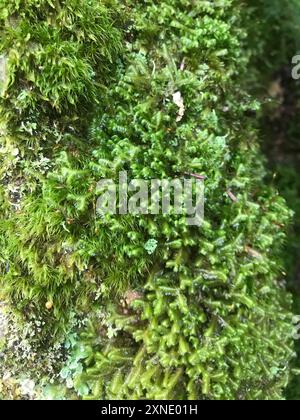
point(57, 54)
point(214, 321)
point(56, 58)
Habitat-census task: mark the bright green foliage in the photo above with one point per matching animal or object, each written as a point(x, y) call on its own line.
point(212, 319)
point(57, 58)
point(58, 54)
point(60, 250)
point(214, 322)
point(279, 37)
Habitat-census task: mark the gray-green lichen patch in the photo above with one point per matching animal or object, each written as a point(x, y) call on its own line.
point(3, 72)
point(3, 320)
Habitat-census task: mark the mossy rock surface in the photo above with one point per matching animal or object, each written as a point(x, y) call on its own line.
point(210, 318)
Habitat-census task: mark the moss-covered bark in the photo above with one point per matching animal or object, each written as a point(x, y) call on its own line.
point(210, 317)
point(207, 321)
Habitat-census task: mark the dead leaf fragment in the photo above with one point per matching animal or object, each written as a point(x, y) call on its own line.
point(182, 65)
point(49, 305)
point(276, 89)
point(131, 296)
point(178, 100)
point(197, 176)
point(253, 253)
point(232, 196)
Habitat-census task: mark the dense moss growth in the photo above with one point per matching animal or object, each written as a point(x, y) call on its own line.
point(209, 312)
point(281, 142)
point(201, 314)
point(57, 58)
point(279, 37)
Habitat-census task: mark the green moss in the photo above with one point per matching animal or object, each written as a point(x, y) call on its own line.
point(58, 55)
point(279, 38)
point(58, 58)
point(213, 318)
